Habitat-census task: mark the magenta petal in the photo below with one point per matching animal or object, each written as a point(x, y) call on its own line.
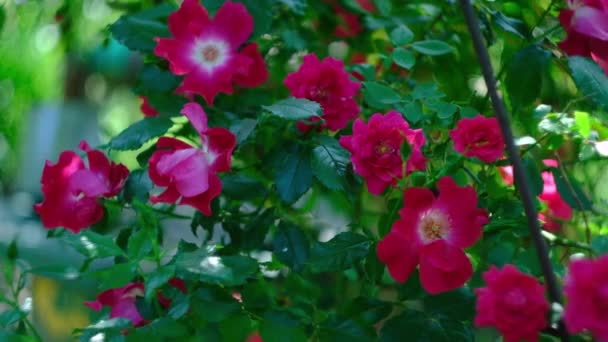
point(591, 22)
point(170, 195)
point(399, 253)
point(177, 52)
point(91, 184)
point(189, 170)
point(127, 309)
point(256, 72)
point(443, 267)
point(202, 202)
point(95, 305)
point(375, 185)
point(234, 21)
point(189, 12)
point(196, 114)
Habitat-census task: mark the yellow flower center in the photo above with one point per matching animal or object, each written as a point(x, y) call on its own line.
point(210, 53)
point(434, 225)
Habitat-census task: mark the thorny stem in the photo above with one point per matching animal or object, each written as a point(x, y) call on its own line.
point(521, 179)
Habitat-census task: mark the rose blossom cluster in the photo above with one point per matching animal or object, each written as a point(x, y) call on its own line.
point(435, 226)
point(327, 83)
point(122, 300)
point(514, 302)
point(212, 53)
point(376, 149)
point(72, 191)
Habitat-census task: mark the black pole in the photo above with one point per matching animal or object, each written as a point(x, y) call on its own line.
point(521, 181)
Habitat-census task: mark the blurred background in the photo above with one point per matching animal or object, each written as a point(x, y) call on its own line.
point(61, 80)
point(64, 79)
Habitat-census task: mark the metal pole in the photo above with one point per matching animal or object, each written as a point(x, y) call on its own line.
point(522, 182)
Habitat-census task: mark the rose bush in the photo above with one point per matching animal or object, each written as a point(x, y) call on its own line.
point(349, 195)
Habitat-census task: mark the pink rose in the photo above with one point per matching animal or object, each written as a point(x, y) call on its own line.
point(512, 302)
point(122, 300)
point(478, 137)
point(586, 288)
point(71, 190)
point(432, 232)
point(188, 173)
point(327, 83)
point(586, 25)
point(557, 210)
point(376, 149)
point(212, 53)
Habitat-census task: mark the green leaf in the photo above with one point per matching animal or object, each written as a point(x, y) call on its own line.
point(556, 123)
point(295, 109)
point(369, 310)
point(526, 68)
point(12, 253)
point(468, 112)
point(279, 326)
point(339, 253)
point(12, 337)
point(12, 316)
point(582, 123)
point(137, 31)
point(404, 58)
point(378, 95)
point(534, 176)
point(590, 79)
point(401, 35)
point(214, 306)
point(296, 6)
point(222, 270)
point(157, 279)
point(235, 328)
point(293, 177)
point(291, 246)
point(113, 324)
point(152, 78)
point(329, 162)
point(508, 24)
point(242, 187)
point(571, 191)
point(457, 304)
point(385, 7)
point(444, 110)
point(255, 231)
point(116, 276)
point(93, 245)
point(134, 136)
point(599, 244)
point(412, 111)
point(139, 244)
point(345, 330)
point(137, 186)
point(161, 329)
point(413, 325)
point(262, 13)
point(432, 47)
point(501, 253)
point(242, 129)
point(427, 91)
